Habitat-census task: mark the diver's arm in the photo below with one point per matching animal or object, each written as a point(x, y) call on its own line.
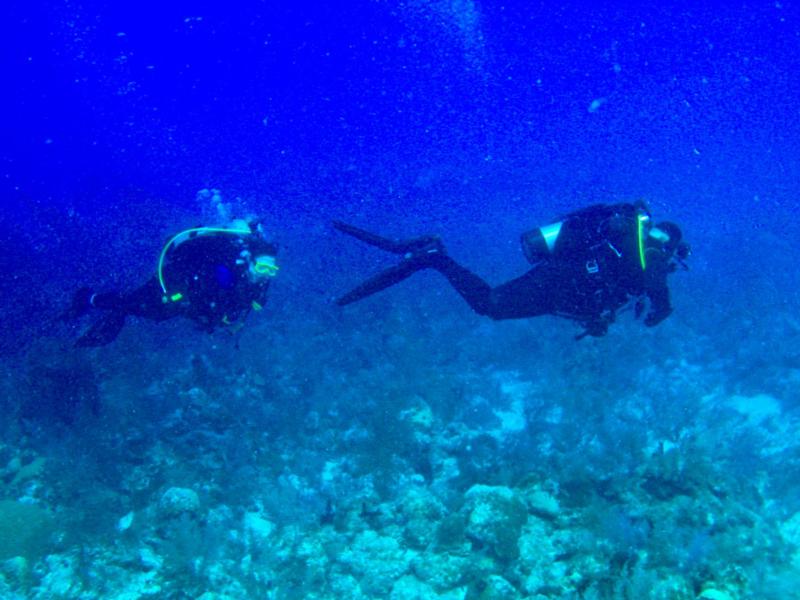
point(660, 307)
point(657, 291)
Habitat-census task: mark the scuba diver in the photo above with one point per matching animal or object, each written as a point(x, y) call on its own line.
point(212, 275)
point(585, 267)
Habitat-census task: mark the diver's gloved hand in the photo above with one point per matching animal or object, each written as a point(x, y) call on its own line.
point(81, 304)
point(597, 328)
point(638, 308)
point(654, 318)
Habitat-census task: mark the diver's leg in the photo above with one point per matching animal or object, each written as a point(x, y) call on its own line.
point(525, 296)
point(469, 286)
point(146, 301)
point(529, 295)
point(108, 301)
point(104, 331)
point(80, 305)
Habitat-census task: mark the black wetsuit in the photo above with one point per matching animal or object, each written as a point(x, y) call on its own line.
point(206, 279)
point(594, 269)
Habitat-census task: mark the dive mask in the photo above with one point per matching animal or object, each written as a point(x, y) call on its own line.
point(265, 265)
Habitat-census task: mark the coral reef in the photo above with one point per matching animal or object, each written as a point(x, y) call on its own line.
point(420, 477)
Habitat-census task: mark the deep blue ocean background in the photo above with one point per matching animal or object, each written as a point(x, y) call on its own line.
point(335, 452)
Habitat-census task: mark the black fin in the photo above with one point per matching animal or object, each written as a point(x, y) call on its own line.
point(381, 281)
point(372, 239)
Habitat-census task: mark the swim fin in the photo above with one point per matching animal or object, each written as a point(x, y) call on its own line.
point(413, 248)
point(381, 281)
point(416, 253)
point(370, 238)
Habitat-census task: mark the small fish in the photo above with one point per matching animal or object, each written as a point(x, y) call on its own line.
point(596, 104)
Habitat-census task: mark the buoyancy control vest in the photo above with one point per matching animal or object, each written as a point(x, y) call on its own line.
point(594, 237)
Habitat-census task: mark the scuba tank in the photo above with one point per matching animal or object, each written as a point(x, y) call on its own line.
point(538, 244)
point(593, 232)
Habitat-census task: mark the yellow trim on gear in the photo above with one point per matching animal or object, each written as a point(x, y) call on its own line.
point(168, 245)
point(640, 221)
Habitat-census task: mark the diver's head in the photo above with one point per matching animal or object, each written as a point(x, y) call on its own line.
point(667, 237)
point(264, 266)
point(261, 264)
point(667, 234)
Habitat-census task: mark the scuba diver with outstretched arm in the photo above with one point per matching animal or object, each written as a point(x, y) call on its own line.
point(586, 267)
point(212, 275)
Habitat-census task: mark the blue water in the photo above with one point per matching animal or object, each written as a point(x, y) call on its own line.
point(671, 452)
